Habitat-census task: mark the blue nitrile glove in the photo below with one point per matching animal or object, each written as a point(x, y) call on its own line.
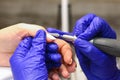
point(96, 64)
point(53, 58)
point(28, 61)
point(53, 30)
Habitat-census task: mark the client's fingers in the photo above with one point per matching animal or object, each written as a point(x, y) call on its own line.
point(53, 75)
point(65, 50)
point(24, 30)
point(71, 68)
point(63, 71)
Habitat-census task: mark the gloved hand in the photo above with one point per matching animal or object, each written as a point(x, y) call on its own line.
point(68, 64)
point(28, 61)
point(52, 57)
point(96, 64)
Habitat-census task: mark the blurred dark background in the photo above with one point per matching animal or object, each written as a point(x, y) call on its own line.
point(46, 12)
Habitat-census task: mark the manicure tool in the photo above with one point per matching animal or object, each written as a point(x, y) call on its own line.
point(109, 46)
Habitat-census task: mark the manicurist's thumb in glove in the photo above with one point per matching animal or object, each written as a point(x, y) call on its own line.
point(28, 61)
point(96, 64)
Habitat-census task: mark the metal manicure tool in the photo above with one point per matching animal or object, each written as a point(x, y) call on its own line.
point(109, 46)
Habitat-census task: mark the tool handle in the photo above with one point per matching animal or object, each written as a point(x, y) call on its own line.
point(109, 46)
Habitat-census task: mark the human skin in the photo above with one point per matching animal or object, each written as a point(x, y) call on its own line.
point(11, 36)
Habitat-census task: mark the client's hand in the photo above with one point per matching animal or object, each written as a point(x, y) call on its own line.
point(11, 36)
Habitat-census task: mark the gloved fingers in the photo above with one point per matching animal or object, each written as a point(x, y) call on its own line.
point(21, 51)
point(53, 60)
point(65, 50)
point(64, 47)
point(52, 52)
point(55, 57)
point(90, 51)
point(98, 27)
point(82, 24)
point(84, 62)
point(52, 65)
point(23, 48)
point(52, 47)
point(38, 44)
point(53, 30)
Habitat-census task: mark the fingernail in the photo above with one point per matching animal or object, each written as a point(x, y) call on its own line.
point(70, 61)
point(50, 36)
